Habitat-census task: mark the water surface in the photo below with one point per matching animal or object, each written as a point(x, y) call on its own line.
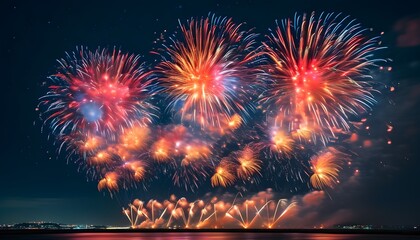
point(207, 236)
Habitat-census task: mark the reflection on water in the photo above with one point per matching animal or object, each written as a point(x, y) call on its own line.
point(207, 236)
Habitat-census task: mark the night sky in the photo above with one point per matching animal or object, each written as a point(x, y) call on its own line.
point(37, 184)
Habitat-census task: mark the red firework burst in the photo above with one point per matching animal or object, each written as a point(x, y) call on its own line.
point(98, 92)
point(317, 73)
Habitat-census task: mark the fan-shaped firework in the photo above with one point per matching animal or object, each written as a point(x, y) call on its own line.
point(318, 73)
point(326, 168)
point(224, 174)
point(207, 70)
point(248, 163)
point(281, 143)
point(98, 92)
point(202, 214)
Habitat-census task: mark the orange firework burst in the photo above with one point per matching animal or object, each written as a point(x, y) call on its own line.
point(135, 138)
point(234, 122)
point(207, 69)
point(122, 152)
point(91, 143)
point(161, 150)
point(317, 71)
point(102, 157)
point(282, 143)
point(137, 168)
point(193, 166)
point(248, 163)
point(193, 152)
point(110, 182)
point(223, 175)
point(189, 174)
point(303, 133)
point(326, 168)
point(227, 125)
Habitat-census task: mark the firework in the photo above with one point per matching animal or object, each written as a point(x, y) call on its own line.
point(224, 174)
point(281, 143)
point(160, 150)
point(85, 145)
point(91, 143)
point(326, 168)
point(249, 164)
point(135, 138)
point(181, 154)
point(318, 70)
point(137, 168)
point(110, 182)
point(98, 92)
point(207, 70)
point(234, 122)
point(190, 174)
point(102, 157)
point(207, 214)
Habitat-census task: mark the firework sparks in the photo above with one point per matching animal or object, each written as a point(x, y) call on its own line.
point(135, 138)
point(138, 169)
point(207, 69)
point(110, 182)
point(91, 143)
point(160, 150)
point(282, 143)
point(102, 157)
point(199, 214)
point(190, 174)
point(224, 175)
point(326, 168)
point(318, 70)
point(98, 92)
point(249, 165)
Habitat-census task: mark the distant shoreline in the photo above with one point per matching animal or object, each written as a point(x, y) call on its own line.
point(325, 231)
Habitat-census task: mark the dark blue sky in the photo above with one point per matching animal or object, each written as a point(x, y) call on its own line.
point(35, 185)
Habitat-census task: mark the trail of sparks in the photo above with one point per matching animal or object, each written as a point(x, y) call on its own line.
point(200, 214)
